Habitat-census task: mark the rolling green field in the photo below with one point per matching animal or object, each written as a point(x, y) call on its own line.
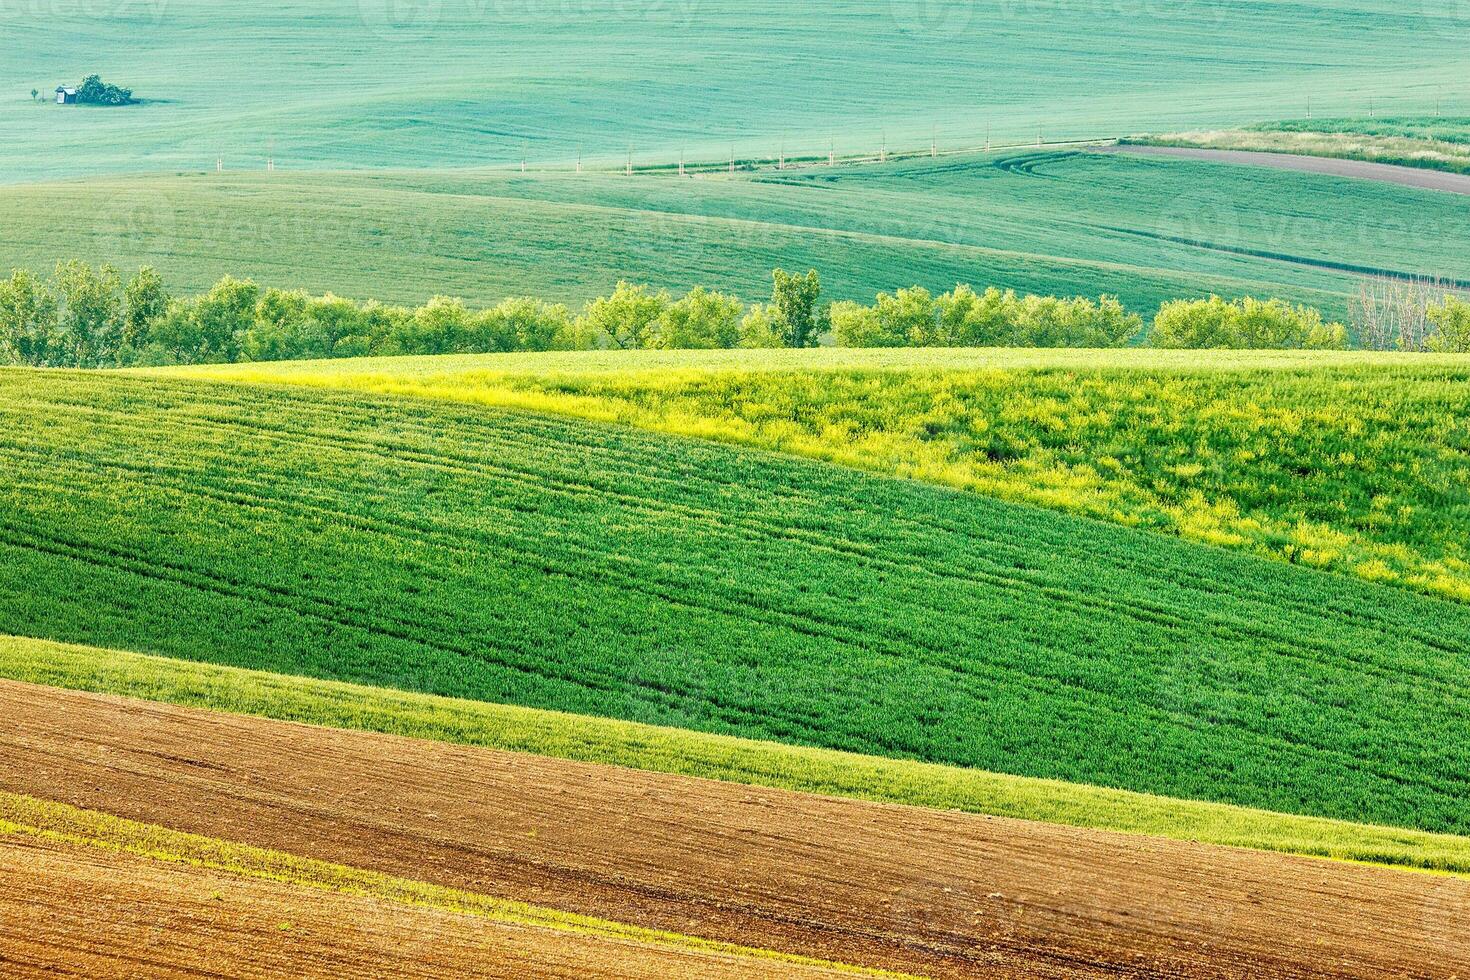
point(1063, 223)
point(1359, 463)
point(553, 563)
point(355, 83)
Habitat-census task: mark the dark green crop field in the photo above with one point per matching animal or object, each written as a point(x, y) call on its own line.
point(554, 563)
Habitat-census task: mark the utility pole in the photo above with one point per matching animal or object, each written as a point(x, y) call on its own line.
point(630, 159)
point(732, 161)
point(883, 148)
point(681, 163)
point(781, 162)
point(1038, 134)
point(934, 145)
point(219, 165)
point(579, 159)
point(1309, 107)
point(831, 153)
point(987, 136)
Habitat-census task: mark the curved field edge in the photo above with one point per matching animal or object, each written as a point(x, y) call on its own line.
point(64, 824)
point(583, 738)
point(1355, 462)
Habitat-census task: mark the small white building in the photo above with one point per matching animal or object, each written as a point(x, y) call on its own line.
point(66, 94)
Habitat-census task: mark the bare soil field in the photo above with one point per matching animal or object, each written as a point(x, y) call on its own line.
point(871, 884)
point(1433, 180)
point(71, 910)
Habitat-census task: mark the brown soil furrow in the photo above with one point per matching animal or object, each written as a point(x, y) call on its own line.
point(879, 885)
point(75, 911)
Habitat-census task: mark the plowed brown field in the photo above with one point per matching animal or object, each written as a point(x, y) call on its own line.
point(78, 911)
point(872, 884)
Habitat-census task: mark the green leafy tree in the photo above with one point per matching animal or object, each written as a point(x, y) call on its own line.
point(35, 94)
point(856, 325)
point(794, 298)
point(522, 323)
point(762, 328)
point(1050, 321)
point(702, 319)
point(280, 329)
point(967, 319)
point(1451, 322)
point(28, 327)
point(145, 302)
point(94, 91)
point(441, 326)
point(90, 327)
point(209, 328)
point(623, 320)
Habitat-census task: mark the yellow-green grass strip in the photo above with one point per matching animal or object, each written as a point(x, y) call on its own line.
point(63, 824)
point(729, 759)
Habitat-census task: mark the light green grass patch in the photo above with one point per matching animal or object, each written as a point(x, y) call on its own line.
point(676, 751)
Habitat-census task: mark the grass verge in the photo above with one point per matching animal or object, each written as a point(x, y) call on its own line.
point(736, 760)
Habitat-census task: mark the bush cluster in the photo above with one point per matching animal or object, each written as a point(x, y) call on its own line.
point(1245, 324)
point(94, 91)
point(964, 318)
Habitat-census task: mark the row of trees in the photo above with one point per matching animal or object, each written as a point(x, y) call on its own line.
point(80, 317)
point(85, 317)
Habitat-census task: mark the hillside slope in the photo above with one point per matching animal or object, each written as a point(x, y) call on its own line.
point(1354, 462)
point(553, 563)
point(1037, 221)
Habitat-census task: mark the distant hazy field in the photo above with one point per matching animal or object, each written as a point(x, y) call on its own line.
point(1048, 222)
point(349, 83)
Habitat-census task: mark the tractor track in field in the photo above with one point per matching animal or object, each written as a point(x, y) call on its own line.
point(877, 885)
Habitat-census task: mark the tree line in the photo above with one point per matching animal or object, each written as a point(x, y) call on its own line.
point(81, 316)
